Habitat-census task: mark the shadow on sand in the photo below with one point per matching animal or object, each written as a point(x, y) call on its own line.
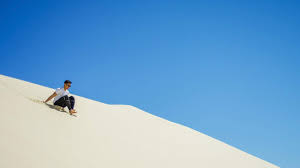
point(55, 107)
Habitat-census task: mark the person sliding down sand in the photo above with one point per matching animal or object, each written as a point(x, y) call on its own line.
point(62, 99)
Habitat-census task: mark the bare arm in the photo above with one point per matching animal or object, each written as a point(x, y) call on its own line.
point(50, 97)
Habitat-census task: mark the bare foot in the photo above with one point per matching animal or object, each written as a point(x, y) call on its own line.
point(72, 111)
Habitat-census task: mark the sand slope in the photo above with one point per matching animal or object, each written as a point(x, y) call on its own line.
point(34, 135)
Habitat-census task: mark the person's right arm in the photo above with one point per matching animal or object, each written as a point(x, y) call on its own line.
point(50, 97)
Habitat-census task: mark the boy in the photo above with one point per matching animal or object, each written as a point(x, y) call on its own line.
point(62, 99)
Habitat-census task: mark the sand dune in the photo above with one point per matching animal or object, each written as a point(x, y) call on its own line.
point(36, 135)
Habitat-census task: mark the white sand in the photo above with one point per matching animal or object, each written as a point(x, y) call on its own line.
point(34, 135)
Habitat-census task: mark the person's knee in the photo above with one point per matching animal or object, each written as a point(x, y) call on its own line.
point(66, 97)
point(72, 99)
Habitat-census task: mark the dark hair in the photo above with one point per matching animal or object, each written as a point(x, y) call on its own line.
point(67, 81)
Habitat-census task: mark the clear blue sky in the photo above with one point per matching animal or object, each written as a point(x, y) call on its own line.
point(229, 69)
